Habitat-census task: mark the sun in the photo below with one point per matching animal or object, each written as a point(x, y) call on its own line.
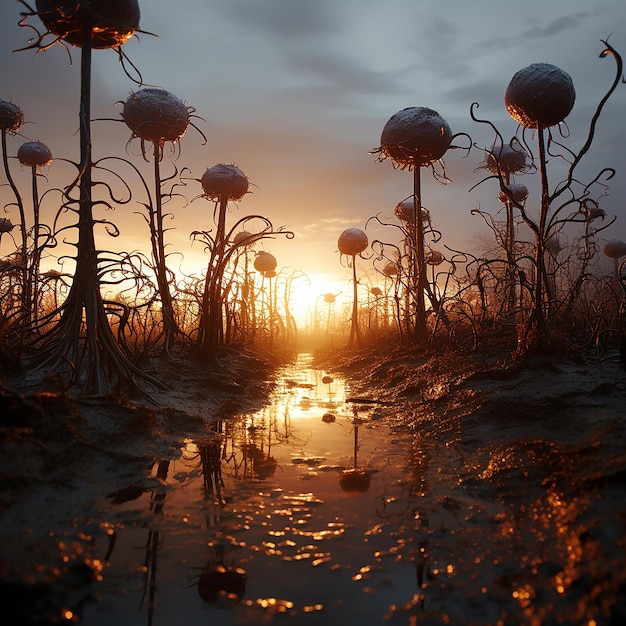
point(314, 295)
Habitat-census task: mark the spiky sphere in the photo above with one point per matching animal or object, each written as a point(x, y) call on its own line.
point(415, 136)
point(390, 269)
point(156, 115)
point(405, 211)
point(265, 262)
point(11, 117)
point(352, 241)
point(615, 248)
point(434, 257)
point(223, 179)
point(5, 225)
point(517, 191)
point(242, 237)
point(112, 22)
point(34, 154)
point(508, 159)
point(540, 95)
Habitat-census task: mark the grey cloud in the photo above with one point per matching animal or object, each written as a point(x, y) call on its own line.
point(283, 19)
point(559, 25)
point(344, 74)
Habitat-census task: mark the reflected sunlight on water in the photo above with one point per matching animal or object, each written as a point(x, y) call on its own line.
point(323, 508)
point(276, 512)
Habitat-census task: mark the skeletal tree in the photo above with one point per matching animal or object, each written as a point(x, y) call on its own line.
point(221, 184)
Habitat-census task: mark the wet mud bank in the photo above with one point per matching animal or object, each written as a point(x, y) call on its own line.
point(380, 485)
point(519, 508)
point(66, 461)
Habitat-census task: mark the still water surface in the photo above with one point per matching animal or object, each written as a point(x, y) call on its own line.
point(305, 512)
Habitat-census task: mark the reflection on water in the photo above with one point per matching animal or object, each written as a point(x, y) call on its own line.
point(319, 510)
point(276, 512)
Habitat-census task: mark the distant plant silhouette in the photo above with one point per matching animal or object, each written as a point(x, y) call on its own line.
point(353, 242)
point(221, 184)
point(413, 138)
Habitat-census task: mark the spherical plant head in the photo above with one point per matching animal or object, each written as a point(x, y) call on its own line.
point(540, 95)
point(265, 263)
point(112, 22)
point(415, 136)
point(224, 180)
point(352, 241)
point(354, 481)
point(242, 237)
point(518, 192)
point(156, 115)
point(329, 298)
point(506, 159)
point(405, 211)
point(434, 257)
point(376, 292)
point(5, 225)
point(390, 269)
point(594, 213)
point(553, 244)
point(34, 154)
point(615, 249)
point(11, 117)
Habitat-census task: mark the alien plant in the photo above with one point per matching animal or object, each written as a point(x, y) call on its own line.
point(81, 347)
point(539, 97)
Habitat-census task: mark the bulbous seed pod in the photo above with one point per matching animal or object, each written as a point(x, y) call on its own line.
point(518, 192)
point(540, 95)
point(11, 117)
point(242, 237)
point(405, 211)
point(34, 154)
point(329, 298)
point(615, 248)
point(390, 269)
point(265, 262)
point(553, 244)
point(226, 180)
point(434, 257)
point(415, 136)
point(5, 225)
point(156, 115)
point(352, 241)
point(508, 159)
point(113, 22)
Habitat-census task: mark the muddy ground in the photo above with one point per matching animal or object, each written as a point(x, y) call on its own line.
point(522, 488)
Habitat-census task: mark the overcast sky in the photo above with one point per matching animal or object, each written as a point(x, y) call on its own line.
point(297, 92)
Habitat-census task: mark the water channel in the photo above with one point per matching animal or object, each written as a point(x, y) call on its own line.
point(304, 512)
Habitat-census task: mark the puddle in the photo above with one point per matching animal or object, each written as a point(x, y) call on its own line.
point(297, 513)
